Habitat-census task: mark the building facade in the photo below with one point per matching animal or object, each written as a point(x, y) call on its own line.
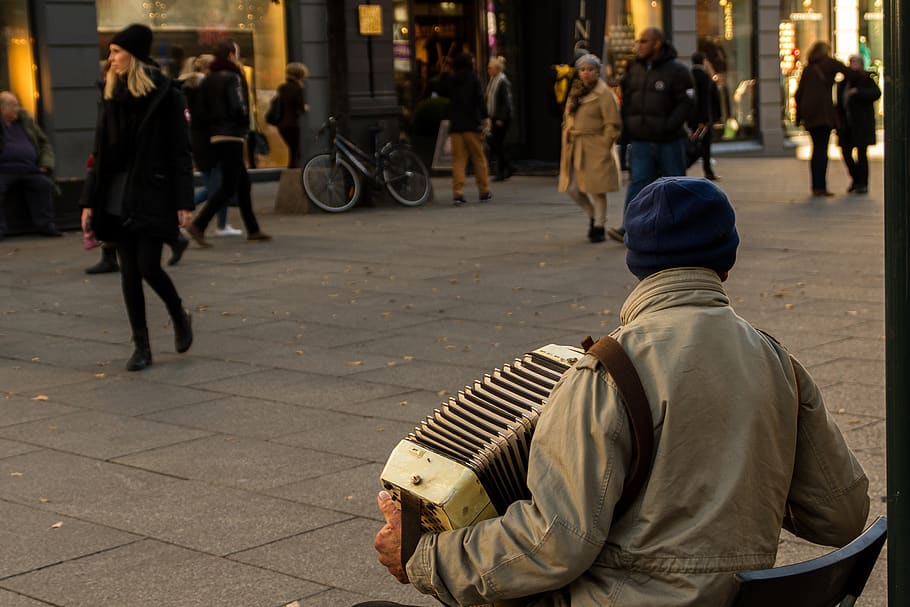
point(376, 61)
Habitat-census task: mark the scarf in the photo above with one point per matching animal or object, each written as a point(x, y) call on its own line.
point(124, 112)
point(493, 88)
point(578, 92)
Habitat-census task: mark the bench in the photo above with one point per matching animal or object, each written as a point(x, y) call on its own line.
point(67, 214)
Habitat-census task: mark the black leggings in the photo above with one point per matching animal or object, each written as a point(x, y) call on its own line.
point(140, 259)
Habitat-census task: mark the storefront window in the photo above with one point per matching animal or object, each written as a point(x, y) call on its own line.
point(18, 69)
point(724, 34)
point(184, 30)
point(625, 19)
point(872, 45)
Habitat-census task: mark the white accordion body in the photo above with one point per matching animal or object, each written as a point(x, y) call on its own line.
point(468, 461)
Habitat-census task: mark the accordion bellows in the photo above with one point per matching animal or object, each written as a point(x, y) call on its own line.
point(468, 460)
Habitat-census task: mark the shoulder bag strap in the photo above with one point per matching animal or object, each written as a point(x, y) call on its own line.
point(617, 363)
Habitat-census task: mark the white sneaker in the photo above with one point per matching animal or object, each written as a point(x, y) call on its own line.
point(227, 230)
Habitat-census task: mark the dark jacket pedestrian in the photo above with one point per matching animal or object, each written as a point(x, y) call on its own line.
point(292, 100)
point(468, 117)
point(856, 99)
point(141, 180)
point(815, 109)
point(225, 112)
point(657, 98)
point(705, 113)
point(499, 107)
point(26, 158)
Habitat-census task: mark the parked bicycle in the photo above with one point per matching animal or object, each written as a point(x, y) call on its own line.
point(333, 182)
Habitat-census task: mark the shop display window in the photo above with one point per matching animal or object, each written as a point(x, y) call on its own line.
point(724, 30)
point(184, 30)
point(18, 69)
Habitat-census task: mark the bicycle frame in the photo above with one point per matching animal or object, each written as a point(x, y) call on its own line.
point(363, 162)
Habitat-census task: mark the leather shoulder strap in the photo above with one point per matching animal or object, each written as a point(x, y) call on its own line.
point(618, 364)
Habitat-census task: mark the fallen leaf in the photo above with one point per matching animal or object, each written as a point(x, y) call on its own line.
point(386, 314)
point(15, 474)
point(43, 500)
point(789, 306)
point(298, 352)
point(354, 363)
point(407, 357)
point(453, 281)
point(40, 397)
point(99, 375)
point(392, 363)
point(35, 359)
point(57, 525)
point(403, 403)
point(441, 393)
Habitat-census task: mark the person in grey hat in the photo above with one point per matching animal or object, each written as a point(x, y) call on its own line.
point(140, 184)
point(590, 127)
point(743, 446)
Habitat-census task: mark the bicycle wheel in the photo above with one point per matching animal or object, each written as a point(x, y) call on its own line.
point(406, 179)
point(332, 185)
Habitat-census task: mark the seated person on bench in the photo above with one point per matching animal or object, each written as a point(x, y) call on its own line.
point(743, 446)
point(26, 158)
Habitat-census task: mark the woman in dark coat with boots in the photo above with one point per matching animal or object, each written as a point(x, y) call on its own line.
point(142, 182)
point(856, 122)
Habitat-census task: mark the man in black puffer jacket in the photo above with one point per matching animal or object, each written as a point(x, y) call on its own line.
point(658, 95)
point(225, 108)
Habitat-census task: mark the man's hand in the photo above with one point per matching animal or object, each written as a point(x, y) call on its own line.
point(184, 218)
point(388, 541)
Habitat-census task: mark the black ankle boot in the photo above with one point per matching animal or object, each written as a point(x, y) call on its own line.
point(142, 355)
point(597, 234)
point(183, 331)
point(590, 227)
point(108, 262)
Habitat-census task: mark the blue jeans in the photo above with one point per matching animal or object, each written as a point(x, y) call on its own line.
point(211, 181)
point(649, 160)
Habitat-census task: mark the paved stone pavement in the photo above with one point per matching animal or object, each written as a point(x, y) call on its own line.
point(244, 472)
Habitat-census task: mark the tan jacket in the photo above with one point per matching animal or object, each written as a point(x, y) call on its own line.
point(735, 459)
point(588, 137)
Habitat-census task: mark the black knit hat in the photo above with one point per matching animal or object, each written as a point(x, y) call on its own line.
point(136, 39)
point(677, 222)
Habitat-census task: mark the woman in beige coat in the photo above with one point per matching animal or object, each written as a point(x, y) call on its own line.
point(590, 128)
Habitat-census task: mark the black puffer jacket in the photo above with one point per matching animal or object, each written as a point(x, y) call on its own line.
point(226, 100)
point(159, 165)
point(656, 102)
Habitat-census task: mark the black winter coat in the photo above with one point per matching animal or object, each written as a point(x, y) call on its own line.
point(857, 112)
point(707, 99)
point(467, 108)
point(159, 173)
point(657, 102)
point(814, 107)
point(226, 100)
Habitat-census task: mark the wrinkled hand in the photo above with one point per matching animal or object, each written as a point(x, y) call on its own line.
point(388, 541)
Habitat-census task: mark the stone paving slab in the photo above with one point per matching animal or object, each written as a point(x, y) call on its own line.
point(244, 472)
point(155, 573)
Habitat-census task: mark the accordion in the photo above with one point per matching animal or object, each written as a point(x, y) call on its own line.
point(468, 460)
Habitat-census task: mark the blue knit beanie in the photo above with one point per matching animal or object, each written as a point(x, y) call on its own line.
point(679, 222)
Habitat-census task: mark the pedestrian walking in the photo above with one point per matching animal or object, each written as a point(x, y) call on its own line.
point(191, 83)
point(856, 122)
point(815, 109)
point(499, 107)
point(142, 181)
point(468, 119)
point(657, 98)
point(591, 125)
point(225, 111)
point(706, 112)
point(293, 105)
